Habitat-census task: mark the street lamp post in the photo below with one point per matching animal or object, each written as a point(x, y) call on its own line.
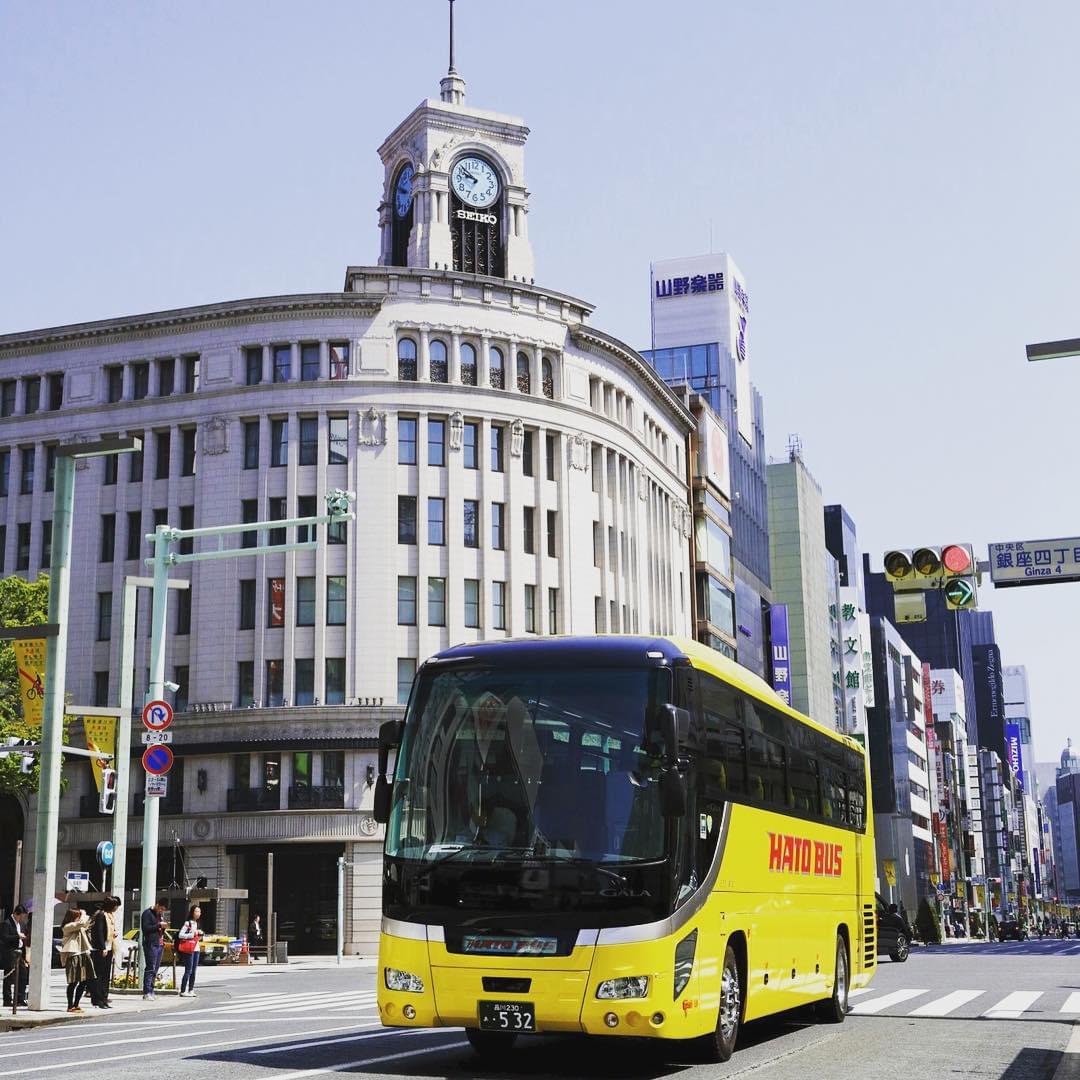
point(52, 720)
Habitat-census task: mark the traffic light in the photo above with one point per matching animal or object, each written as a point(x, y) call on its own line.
point(107, 797)
point(958, 560)
point(898, 566)
point(950, 567)
point(26, 765)
point(926, 562)
point(960, 594)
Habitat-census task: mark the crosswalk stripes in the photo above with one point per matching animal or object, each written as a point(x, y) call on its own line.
point(1012, 1005)
point(1072, 1003)
point(966, 1004)
point(897, 997)
point(949, 1003)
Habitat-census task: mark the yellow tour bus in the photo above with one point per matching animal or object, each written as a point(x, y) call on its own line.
point(617, 835)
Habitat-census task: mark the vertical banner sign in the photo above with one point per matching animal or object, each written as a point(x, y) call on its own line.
point(1012, 748)
point(277, 601)
point(30, 662)
point(1038, 870)
point(943, 847)
point(101, 737)
point(781, 651)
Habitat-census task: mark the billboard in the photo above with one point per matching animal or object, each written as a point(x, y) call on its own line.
point(1014, 752)
point(713, 462)
point(781, 652)
point(1034, 562)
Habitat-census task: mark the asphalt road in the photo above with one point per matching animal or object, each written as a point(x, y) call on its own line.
point(988, 1011)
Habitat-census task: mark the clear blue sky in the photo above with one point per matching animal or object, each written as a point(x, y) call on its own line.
point(898, 182)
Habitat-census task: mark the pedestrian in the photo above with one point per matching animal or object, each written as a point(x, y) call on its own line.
point(75, 953)
point(103, 943)
point(255, 935)
point(188, 943)
point(13, 939)
point(152, 930)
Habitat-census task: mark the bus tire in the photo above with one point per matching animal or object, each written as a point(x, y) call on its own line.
point(490, 1044)
point(834, 1009)
point(719, 1045)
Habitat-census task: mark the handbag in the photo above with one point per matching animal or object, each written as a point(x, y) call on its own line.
point(189, 945)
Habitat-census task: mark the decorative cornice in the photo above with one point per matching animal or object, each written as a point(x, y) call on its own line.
point(188, 320)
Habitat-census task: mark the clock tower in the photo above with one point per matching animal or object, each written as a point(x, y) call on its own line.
point(454, 193)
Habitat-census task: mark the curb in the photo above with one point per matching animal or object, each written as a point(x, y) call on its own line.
point(1069, 1066)
point(21, 1023)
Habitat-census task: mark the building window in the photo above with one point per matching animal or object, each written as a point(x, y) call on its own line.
point(249, 512)
point(336, 603)
point(406, 601)
point(406, 445)
point(134, 534)
point(334, 695)
point(183, 611)
point(276, 505)
point(7, 397)
point(245, 683)
point(470, 445)
point(498, 605)
point(191, 373)
point(406, 360)
point(251, 444)
point(524, 380)
point(529, 531)
point(436, 601)
point(472, 602)
point(472, 523)
point(279, 443)
point(498, 523)
point(304, 682)
point(114, 383)
point(104, 616)
point(406, 519)
point(32, 394)
point(309, 440)
point(549, 454)
point(496, 370)
point(166, 376)
point(527, 453)
point(187, 451)
point(498, 439)
point(182, 678)
point(26, 472)
point(436, 521)
point(253, 365)
point(187, 522)
point(468, 364)
point(437, 357)
point(552, 532)
point(309, 362)
point(530, 609)
point(553, 611)
point(275, 684)
point(338, 440)
point(46, 545)
point(305, 601)
point(282, 363)
point(547, 376)
point(22, 546)
point(5, 470)
point(306, 506)
point(436, 442)
point(107, 550)
point(247, 604)
point(56, 391)
point(101, 689)
point(140, 381)
point(135, 469)
point(339, 359)
point(50, 466)
point(162, 449)
point(336, 532)
point(406, 671)
point(275, 614)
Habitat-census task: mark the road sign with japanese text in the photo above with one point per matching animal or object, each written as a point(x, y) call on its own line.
point(1035, 562)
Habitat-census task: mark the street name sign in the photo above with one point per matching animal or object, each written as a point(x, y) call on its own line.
point(157, 760)
point(155, 738)
point(1034, 562)
point(157, 787)
point(157, 715)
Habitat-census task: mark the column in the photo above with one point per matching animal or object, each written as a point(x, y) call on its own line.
point(483, 374)
point(454, 373)
point(423, 361)
point(510, 367)
point(294, 361)
point(324, 359)
point(535, 366)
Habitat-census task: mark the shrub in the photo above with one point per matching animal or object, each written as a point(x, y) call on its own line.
point(927, 925)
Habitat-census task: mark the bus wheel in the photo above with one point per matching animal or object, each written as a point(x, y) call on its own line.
point(490, 1044)
point(835, 1008)
point(720, 1044)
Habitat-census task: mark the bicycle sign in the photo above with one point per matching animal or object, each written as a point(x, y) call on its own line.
point(157, 715)
point(35, 688)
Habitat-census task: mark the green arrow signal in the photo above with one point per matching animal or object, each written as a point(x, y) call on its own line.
point(960, 594)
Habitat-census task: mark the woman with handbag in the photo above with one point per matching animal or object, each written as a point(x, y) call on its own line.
point(188, 944)
point(75, 953)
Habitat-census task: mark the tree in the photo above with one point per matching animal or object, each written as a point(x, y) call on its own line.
point(927, 925)
point(22, 603)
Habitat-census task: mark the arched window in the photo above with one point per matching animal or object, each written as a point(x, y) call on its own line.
point(496, 374)
point(406, 359)
point(547, 377)
point(524, 382)
point(437, 351)
point(468, 364)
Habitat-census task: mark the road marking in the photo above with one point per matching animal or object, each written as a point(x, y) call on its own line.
point(947, 1004)
point(371, 1061)
point(886, 1002)
point(125, 1040)
point(1072, 1003)
point(372, 1033)
point(324, 1002)
point(1012, 1005)
point(864, 990)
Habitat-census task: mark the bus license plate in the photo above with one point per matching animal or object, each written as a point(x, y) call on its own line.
point(507, 1016)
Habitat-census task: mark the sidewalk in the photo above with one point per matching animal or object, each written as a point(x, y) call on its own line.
point(127, 1004)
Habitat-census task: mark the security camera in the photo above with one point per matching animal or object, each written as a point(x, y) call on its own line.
point(172, 687)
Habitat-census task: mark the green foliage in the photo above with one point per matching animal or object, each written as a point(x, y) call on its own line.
point(977, 928)
point(22, 603)
point(926, 924)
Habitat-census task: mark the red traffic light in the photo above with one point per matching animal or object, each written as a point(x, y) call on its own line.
point(956, 559)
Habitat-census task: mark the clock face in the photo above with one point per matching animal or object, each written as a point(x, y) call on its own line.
point(474, 182)
point(403, 191)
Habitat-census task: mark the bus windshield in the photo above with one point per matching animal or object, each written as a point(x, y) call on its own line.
point(502, 764)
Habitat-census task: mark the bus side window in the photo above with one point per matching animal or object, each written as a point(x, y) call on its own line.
point(767, 781)
point(733, 752)
point(803, 772)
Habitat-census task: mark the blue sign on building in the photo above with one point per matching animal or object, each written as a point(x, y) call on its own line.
point(781, 651)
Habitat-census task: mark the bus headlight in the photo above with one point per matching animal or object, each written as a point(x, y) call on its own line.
point(633, 986)
point(684, 961)
point(403, 980)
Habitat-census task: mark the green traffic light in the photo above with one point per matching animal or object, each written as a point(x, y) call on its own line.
point(960, 594)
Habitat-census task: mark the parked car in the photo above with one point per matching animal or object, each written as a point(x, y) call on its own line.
point(893, 932)
point(1012, 930)
point(213, 948)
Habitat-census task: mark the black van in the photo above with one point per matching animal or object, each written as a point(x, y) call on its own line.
point(893, 932)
